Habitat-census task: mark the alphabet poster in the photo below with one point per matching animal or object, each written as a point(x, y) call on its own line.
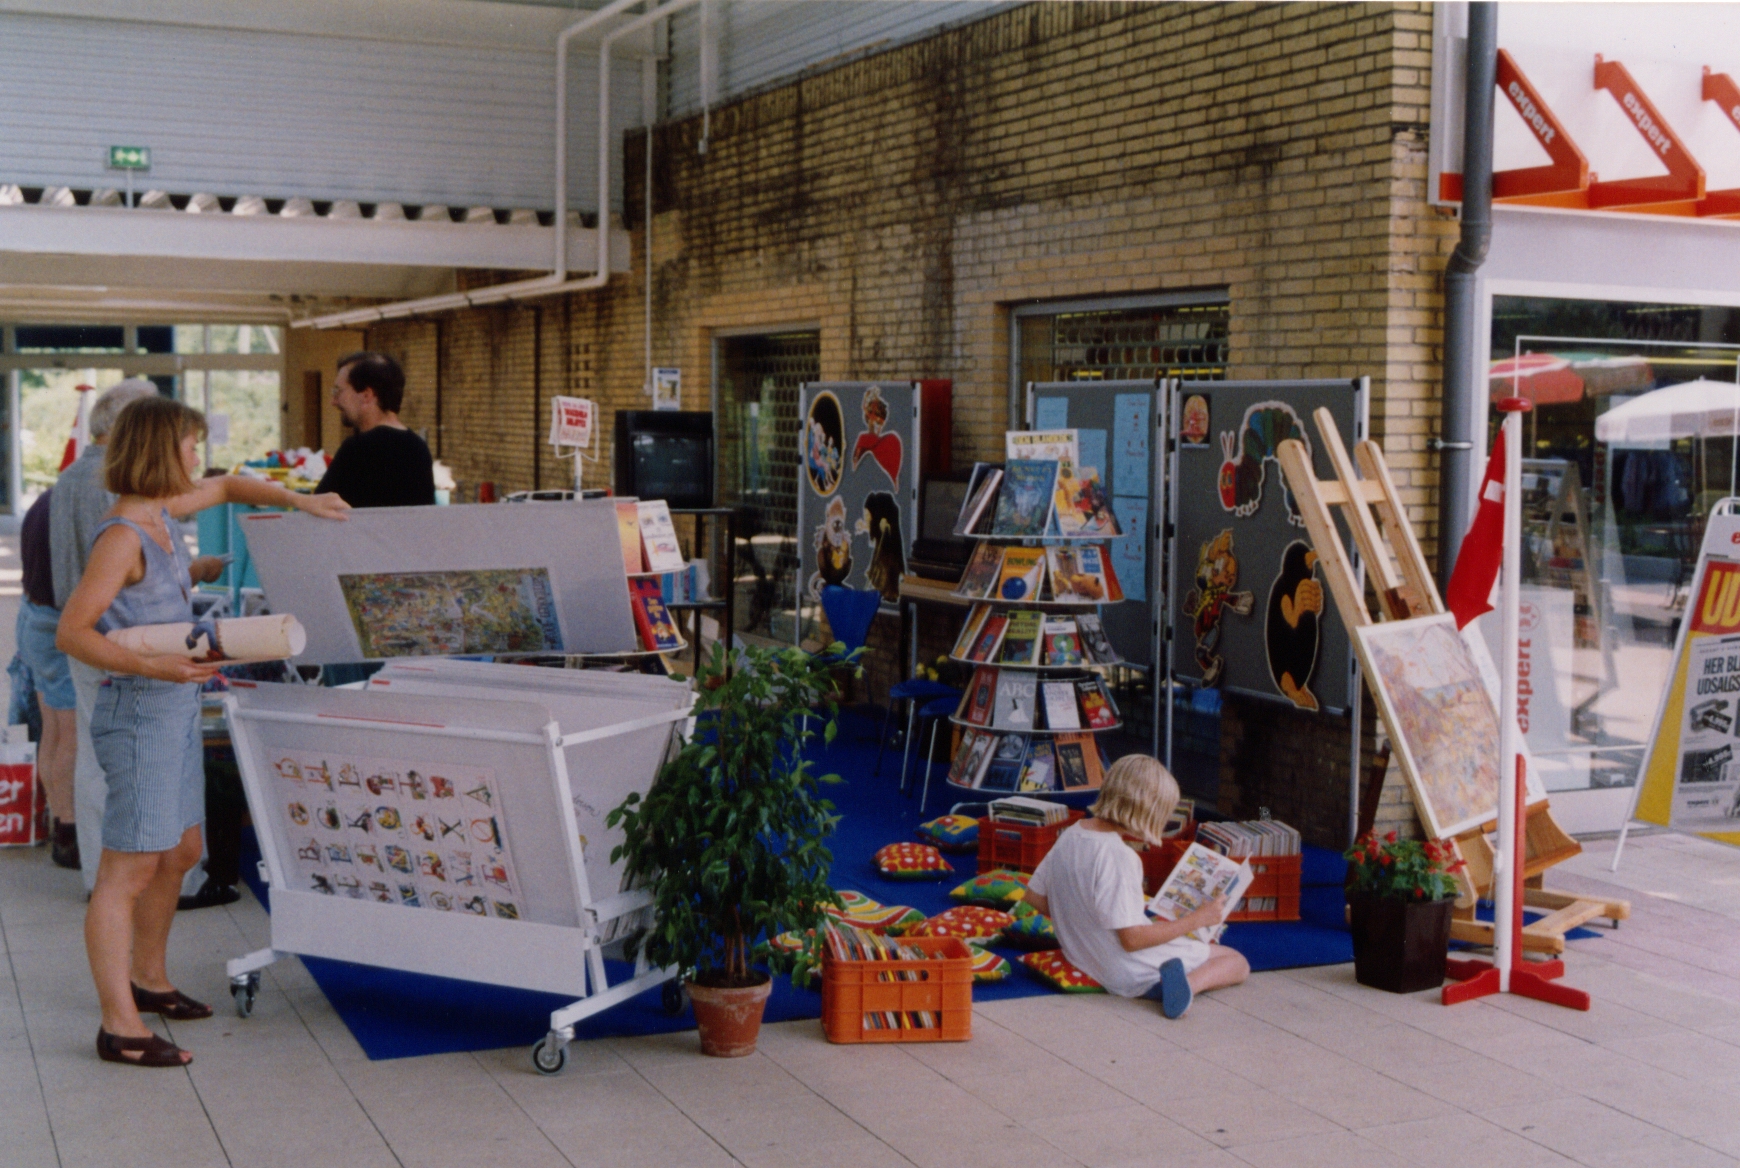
point(856, 500)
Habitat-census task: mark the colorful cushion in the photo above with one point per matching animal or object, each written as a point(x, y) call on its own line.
point(1055, 971)
point(952, 833)
point(873, 916)
point(988, 966)
point(912, 862)
point(1031, 931)
point(1000, 888)
point(968, 921)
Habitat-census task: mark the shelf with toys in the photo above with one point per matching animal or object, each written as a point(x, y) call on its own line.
point(1033, 711)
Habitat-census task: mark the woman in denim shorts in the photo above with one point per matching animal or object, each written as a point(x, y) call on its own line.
point(145, 727)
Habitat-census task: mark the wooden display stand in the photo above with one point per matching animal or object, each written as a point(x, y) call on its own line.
point(1404, 586)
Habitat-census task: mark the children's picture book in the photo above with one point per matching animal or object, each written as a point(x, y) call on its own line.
point(658, 631)
point(981, 490)
point(1025, 499)
point(990, 638)
point(628, 530)
point(1096, 707)
point(1081, 504)
point(1021, 643)
point(1062, 646)
point(659, 534)
point(1004, 771)
point(1040, 771)
point(1202, 875)
point(1094, 642)
point(1114, 590)
point(1059, 446)
point(1077, 573)
point(1023, 572)
point(970, 631)
point(1016, 694)
point(1073, 753)
point(976, 703)
point(1060, 707)
point(980, 576)
point(972, 758)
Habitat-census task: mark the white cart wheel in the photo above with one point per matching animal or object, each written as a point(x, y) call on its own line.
point(550, 1055)
point(244, 989)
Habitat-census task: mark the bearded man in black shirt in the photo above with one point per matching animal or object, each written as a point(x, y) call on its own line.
point(383, 464)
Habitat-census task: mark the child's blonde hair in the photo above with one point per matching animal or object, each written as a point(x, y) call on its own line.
point(144, 453)
point(1138, 796)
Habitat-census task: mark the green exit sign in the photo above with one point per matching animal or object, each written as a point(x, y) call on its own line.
point(129, 158)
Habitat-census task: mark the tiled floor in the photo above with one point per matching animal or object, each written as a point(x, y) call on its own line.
point(1293, 1070)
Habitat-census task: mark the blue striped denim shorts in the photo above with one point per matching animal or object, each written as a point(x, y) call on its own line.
point(147, 738)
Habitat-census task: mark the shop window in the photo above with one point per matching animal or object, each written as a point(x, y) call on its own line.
point(756, 420)
point(1121, 340)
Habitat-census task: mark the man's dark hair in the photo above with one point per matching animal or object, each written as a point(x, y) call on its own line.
point(377, 372)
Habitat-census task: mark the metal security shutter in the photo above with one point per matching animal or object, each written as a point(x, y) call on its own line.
point(241, 112)
point(761, 41)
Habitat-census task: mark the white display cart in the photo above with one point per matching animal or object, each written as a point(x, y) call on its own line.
point(560, 749)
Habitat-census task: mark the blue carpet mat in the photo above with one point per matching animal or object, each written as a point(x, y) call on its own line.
point(398, 1015)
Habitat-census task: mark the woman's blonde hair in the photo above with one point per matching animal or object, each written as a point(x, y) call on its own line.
point(144, 453)
point(1138, 796)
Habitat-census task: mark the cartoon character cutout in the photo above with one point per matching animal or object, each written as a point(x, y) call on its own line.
point(1193, 422)
point(1292, 629)
point(1217, 577)
point(881, 522)
point(1247, 453)
point(885, 448)
point(833, 549)
point(824, 443)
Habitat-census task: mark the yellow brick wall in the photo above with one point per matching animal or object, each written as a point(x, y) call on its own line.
point(901, 204)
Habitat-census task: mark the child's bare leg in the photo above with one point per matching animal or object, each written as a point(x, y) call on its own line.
point(1224, 967)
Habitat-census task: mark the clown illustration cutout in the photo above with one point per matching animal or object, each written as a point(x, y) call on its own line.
point(884, 448)
point(833, 543)
point(1215, 594)
point(1193, 423)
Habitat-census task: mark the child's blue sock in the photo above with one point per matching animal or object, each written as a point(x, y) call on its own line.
point(1175, 993)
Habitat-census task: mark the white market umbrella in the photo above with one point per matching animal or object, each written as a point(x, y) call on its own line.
point(1694, 409)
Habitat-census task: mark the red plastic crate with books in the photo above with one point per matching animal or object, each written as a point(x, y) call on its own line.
point(886, 989)
point(1010, 840)
point(1275, 852)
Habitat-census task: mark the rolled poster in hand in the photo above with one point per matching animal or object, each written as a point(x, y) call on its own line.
point(244, 638)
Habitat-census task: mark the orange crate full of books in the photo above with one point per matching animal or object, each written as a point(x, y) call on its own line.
point(919, 990)
point(1018, 846)
point(1275, 853)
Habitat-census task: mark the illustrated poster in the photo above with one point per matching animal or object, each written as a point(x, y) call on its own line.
point(434, 614)
point(411, 833)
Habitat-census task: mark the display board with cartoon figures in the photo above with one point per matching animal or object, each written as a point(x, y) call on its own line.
point(1250, 612)
point(857, 488)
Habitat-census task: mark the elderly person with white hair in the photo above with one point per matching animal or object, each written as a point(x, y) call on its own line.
point(77, 506)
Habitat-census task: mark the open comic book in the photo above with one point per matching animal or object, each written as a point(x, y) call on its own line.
point(1201, 876)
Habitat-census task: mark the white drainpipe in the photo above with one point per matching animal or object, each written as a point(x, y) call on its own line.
point(556, 282)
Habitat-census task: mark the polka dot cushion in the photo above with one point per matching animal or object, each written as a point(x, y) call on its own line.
point(874, 916)
point(988, 966)
point(1055, 971)
point(952, 833)
point(911, 862)
point(996, 889)
point(1031, 931)
point(969, 922)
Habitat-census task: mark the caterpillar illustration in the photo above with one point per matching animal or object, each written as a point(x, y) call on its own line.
point(1249, 449)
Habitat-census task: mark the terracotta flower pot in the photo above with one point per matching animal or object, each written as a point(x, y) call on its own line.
point(1399, 945)
point(729, 1019)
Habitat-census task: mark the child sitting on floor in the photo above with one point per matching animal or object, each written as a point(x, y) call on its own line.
point(1090, 885)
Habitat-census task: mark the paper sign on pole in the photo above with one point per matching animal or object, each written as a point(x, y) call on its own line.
point(571, 421)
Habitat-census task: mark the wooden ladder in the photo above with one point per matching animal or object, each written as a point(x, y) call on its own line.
point(1404, 586)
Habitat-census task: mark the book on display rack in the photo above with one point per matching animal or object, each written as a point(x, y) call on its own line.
point(1034, 711)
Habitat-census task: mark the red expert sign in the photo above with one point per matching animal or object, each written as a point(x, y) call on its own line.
point(571, 421)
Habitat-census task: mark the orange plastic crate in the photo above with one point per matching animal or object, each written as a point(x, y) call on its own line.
point(1018, 847)
point(1277, 876)
point(944, 987)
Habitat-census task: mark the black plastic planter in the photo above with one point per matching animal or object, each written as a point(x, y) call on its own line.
point(1399, 945)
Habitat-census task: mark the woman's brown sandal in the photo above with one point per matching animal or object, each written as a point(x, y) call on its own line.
point(174, 1005)
point(152, 1051)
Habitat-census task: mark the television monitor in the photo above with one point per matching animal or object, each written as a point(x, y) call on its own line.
point(665, 454)
point(938, 552)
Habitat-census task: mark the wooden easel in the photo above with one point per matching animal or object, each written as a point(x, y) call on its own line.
point(1397, 571)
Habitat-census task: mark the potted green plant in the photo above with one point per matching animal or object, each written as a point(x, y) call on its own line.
point(1400, 893)
point(732, 838)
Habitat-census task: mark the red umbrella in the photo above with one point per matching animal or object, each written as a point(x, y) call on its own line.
point(1543, 378)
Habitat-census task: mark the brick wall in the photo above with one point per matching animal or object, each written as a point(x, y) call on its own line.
point(901, 203)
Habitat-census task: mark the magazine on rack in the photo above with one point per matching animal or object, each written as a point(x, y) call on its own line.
point(1202, 875)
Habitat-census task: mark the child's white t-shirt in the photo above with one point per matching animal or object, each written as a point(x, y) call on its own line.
point(1092, 881)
